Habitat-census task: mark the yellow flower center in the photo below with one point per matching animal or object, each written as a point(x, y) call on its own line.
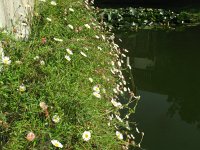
point(86, 136)
point(56, 145)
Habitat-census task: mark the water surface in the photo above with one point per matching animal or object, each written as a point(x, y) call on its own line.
point(167, 76)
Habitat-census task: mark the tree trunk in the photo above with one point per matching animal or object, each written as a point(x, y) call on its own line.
point(15, 16)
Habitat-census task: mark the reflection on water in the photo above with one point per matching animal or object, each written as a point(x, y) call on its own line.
point(167, 75)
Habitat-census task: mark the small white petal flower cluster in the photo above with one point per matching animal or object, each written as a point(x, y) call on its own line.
point(53, 3)
point(82, 53)
point(69, 52)
point(96, 91)
point(70, 26)
point(86, 135)
point(56, 119)
point(58, 40)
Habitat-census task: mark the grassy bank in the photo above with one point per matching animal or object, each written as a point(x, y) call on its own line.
point(59, 88)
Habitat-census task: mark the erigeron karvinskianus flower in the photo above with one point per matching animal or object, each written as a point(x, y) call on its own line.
point(53, 3)
point(86, 135)
point(57, 39)
point(103, 37)
point(44, 107)
point(99, 48)
point(67, 57)
point(71, 9)
point(49, 19)
point(119, 135)
point(82, 53)
point(43, 40)
point(69, 51)
point(97, 37)
point(96, 94)
point(70, 26)
point(90, 79)
point(56, 143)
point(30, 136)
point(96, 88)
point(22, 88)
point(56, 119)
point(36, 57)
point(87, 26)
point(116, 104)
point(42, 62)
point(6, 60)
point(118, 118)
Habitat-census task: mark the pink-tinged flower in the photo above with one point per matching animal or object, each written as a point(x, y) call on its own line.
point(43, 105)
point(30, 136)
point(44, 40)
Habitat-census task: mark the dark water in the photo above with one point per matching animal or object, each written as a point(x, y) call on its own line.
point(167, 76)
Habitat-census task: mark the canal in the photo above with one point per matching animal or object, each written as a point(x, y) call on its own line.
point(166, 71)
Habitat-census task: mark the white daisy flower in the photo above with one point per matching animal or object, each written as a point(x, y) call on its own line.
point(57, 39)
point(115, 91)
point(22, 88)
point(99, 48)
point(110, 117)
point(116, 104)
point(71, 9)
point(70, 26)
point(103, 37)
point(42, 62)
point(123, 55)
point(87, 26)
point(69, 51)
point(56, 118)
point(126, 50)
point(6, 60)
point(96, 94)
point(137, 130)
point(56, 143)
point(90, 79)
point(43, 105)
point(67, 57)
point(36, 57)
point(112, 71)
point(132, 136)
point(30, 136)
point(124, 82)
point(119, 63)
point(53, 3)
point(49, 19)
point(112, 63)
point(96, 88)
point(118, 118)
point(97, 37)
point(125, 89)
point(82, 53)
point(24, 24)
point(86, 135)
point(119, 135)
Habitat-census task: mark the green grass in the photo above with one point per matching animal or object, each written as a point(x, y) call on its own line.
point(63, 85)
